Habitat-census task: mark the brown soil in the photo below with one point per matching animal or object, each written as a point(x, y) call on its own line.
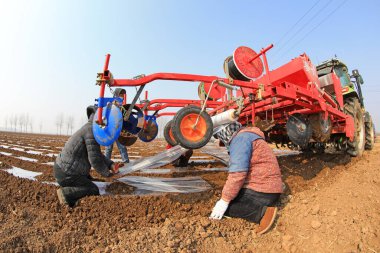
point(119, 188)
point(331, 205)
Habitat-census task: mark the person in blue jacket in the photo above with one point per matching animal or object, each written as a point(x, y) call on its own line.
point(122, 149)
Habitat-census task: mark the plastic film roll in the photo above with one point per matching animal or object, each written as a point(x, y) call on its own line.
point(224, 118)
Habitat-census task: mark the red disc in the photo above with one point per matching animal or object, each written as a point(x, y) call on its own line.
point(217, 92)
point(242, 58)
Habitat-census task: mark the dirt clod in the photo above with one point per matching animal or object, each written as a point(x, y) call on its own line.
point(120, 188)
point(316, 224)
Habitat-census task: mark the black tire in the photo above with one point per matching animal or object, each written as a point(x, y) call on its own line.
point(205, 134)
point(352, 107)
point(168, 139)
point(321, 128)
point(299, 130)
point(369, 133)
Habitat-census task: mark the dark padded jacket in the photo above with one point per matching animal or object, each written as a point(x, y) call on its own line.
point(81, 152)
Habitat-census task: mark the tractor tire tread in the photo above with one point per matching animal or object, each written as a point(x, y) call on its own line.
point(167, 137)
point(351, 106)
point(369, 134)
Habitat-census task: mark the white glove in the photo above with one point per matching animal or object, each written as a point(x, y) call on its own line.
point(219, 209)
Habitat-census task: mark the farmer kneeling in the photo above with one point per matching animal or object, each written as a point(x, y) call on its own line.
point(73, 164)
point(254, 181)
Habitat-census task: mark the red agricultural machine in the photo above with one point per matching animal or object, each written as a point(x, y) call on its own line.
point(296, 105)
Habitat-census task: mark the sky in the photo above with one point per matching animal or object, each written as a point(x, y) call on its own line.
point(51, 50)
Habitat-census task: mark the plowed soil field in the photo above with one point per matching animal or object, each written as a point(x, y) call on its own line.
point(331, 205)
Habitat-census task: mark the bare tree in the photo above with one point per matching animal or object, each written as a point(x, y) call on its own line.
point(59, 122)
point(11, 122)
point(72, 125)
point(21, 120)
point(6, 122)
point(14, 122)
point(30, 120)
point(40, 127)
point(26, 121)
point(69, 124)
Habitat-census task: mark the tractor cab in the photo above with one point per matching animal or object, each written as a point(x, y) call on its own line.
point(350, 84)
point(339, 68)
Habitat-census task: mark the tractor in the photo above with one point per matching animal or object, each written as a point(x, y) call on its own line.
point(352, 99)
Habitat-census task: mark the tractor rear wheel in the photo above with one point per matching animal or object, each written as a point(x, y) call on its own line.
point(192, 128)
point(168, 134)
point(352, 107)
point(369, 133)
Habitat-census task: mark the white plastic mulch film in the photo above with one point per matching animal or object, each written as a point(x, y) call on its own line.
point(156, 161)
point(21, 173)
point(31, 175)
point(102, 187)
point(146, 185)
point(219, 153)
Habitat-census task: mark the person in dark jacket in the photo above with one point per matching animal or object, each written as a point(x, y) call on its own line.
point(122, 149)
point(73, 164)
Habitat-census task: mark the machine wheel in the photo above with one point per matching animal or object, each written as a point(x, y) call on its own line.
point(321, 127)
point(369, 133)
point(299, 130)
point(186, 133)
point(352, 108)
point(149, 131)
point(127, 139)
point(168, 134)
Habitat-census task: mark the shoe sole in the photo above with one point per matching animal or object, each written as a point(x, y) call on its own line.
point(270, 224)
point(61, 199)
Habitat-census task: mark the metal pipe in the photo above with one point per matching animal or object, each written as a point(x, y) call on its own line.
point(102, 87)
point(261, 52)
point(125, 99)
point(223, 84)
point(180, 77)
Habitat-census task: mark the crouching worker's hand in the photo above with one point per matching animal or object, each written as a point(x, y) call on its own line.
point(219, 209)
point(115, 167)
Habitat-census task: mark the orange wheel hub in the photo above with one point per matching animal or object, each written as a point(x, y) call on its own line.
point(189, 130)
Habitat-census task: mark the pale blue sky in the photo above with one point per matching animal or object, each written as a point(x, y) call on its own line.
point(51, 50)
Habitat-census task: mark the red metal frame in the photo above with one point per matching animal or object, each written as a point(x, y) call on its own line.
point(291, 88)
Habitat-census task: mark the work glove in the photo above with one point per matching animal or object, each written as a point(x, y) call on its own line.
point(219, 209)
point(115, 167)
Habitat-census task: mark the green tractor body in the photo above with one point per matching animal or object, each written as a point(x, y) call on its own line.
point(353, 103)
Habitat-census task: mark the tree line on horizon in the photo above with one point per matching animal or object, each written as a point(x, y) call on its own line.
point(24, 123)
point(64, 124)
